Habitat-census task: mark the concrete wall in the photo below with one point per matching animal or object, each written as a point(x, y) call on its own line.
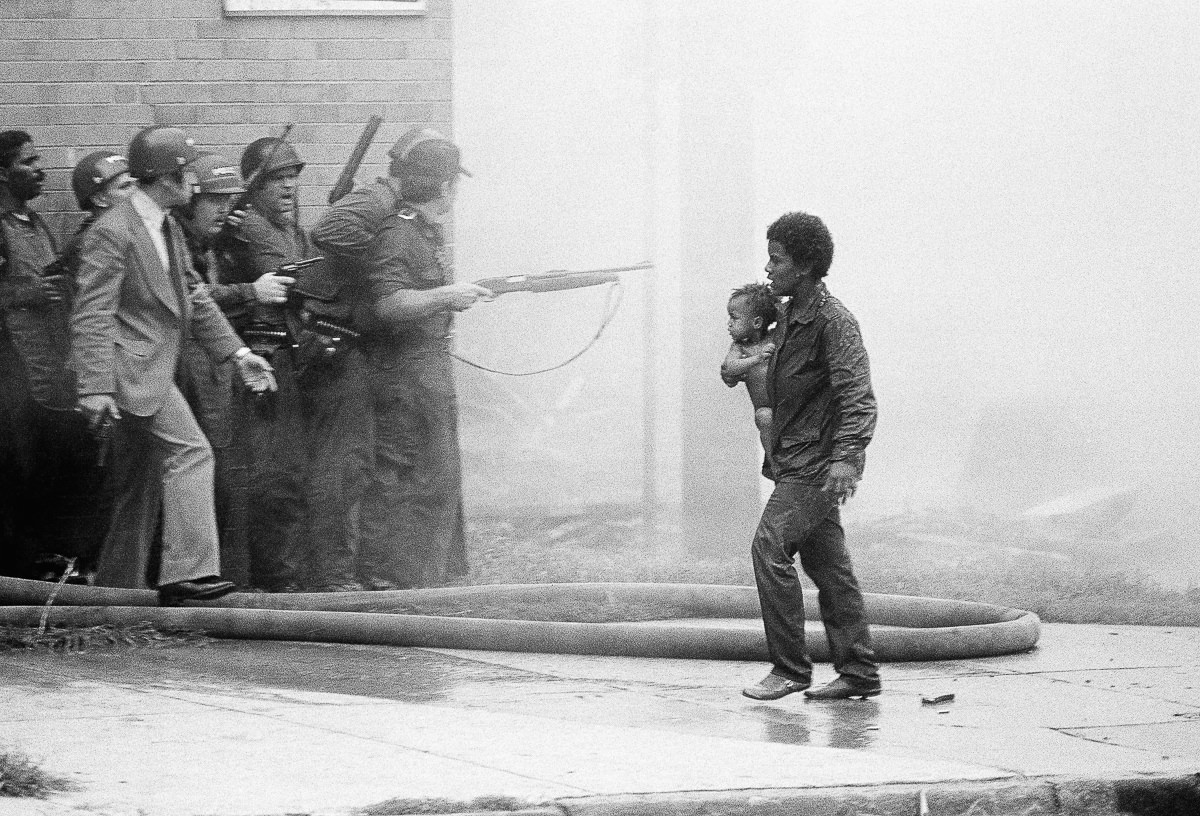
point(87, 74)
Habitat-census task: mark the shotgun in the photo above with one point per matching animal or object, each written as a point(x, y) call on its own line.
point(345, 182)
point(557, 280)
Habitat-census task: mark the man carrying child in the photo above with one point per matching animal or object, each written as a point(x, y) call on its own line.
point(819, 390)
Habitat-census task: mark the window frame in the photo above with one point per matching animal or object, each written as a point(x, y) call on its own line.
point(322, 8)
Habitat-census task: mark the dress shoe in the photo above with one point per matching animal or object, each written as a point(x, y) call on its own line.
point(773, 686)
point(201, 589)
point(844, 689)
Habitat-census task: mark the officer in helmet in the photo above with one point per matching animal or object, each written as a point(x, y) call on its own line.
point(208, 385)
point(100, 180)
point(307, 443)
point(131, 315)
point(388, 238)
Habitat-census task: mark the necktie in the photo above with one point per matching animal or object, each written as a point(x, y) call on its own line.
point(173, 270)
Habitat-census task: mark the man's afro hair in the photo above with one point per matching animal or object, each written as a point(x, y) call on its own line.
point(11, 142)
point(806, 240)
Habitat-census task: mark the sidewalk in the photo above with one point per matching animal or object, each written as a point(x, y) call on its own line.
point(258, 728)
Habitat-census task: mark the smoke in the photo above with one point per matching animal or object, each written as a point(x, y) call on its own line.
point(1012, 189)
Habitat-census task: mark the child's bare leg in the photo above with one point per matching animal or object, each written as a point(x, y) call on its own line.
point(762, 419)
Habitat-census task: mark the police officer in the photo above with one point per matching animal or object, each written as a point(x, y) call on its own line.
point(99, 180)
point(43, 443)
point(207, 385)
point(388, 238)
point(131, 316)
point(308, 442)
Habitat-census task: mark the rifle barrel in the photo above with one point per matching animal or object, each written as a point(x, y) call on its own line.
point(557, 279)
point(637, 267)
point(345, 181)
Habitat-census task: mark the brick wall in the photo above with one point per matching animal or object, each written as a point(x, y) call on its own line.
point(80, 75)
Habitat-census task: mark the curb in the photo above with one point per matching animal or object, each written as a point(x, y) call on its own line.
point(1052, 796)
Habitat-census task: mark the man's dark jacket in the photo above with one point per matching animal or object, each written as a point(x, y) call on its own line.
point(819, 385)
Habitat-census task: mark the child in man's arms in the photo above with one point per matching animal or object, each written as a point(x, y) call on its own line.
point(752, 312)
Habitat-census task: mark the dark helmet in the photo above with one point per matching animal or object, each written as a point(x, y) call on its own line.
point(266, 155)
point(94, 171)
point(426, 154)
point(217, 175)
point(158, 151)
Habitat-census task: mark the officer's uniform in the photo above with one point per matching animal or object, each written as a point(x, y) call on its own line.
point(308, 442)
point(411, 523)
point(208, 387)
point(272, 427)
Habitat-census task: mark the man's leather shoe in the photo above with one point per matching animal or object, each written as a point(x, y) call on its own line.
point(772, 687)
point(844, 689)
point(201, 589)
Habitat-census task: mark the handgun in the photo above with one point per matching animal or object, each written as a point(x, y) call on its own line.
point(290, 269)
point(103, 435)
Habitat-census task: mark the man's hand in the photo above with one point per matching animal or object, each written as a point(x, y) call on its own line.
point(236, 218)
point(98, 407)
point(257, 373)
point(842, 481)
point(464, 295)
point(272, 288)
point(766, 351)
point(54, 287)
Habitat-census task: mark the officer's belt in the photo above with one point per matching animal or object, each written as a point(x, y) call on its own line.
point(265, 334)
point(327, 327)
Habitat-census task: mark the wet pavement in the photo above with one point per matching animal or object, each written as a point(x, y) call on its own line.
point(259, 728)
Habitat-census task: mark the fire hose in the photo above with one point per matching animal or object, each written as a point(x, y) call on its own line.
point(693, 621)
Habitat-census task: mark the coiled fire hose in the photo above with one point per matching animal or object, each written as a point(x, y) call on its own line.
point(696, 621)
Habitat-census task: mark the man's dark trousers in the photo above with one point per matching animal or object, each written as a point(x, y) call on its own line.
point(801, 520)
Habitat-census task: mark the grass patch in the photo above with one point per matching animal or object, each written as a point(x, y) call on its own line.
point(21, 776)
point(82, 638)
point(940, 557)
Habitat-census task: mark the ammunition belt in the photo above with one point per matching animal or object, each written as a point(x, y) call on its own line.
point(327, 327)
point(265, 334)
